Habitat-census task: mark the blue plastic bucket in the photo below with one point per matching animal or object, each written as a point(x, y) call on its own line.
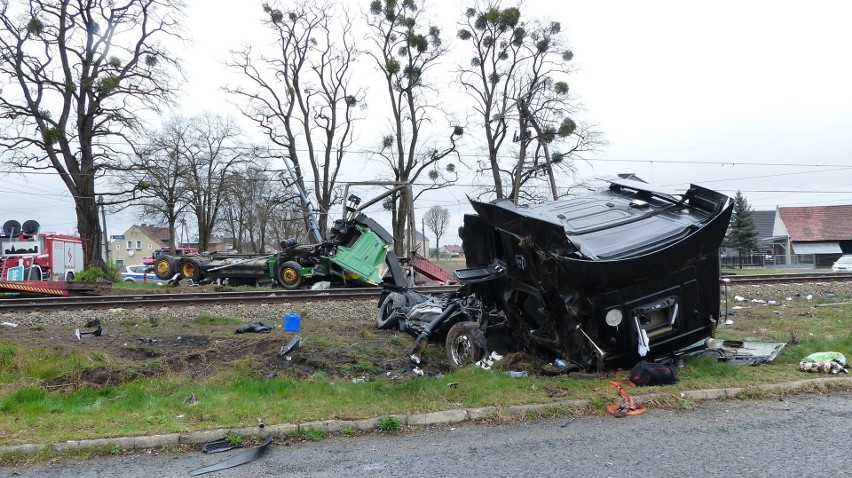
point(292, 322)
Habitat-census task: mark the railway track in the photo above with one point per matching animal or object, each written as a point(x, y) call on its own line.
point(197, 299)
point(286, 296)
point(788, 278)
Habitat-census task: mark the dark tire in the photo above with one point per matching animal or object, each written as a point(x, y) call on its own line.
point(460, 347)
point(34, 273)
point(190, 269)
point(129, 281)
point(289, 275)
point(385, 317)
point(69, 277)
point(164, 267)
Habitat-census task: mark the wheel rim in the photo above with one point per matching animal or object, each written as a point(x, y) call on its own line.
point(462, 350)
point(386, 312)
point(189, 270)
point(162, 267)
point(289, 276)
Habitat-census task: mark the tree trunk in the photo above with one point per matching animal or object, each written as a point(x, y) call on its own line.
point(90, 231)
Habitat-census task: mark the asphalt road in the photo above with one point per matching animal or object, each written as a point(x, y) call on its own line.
point(798, 436)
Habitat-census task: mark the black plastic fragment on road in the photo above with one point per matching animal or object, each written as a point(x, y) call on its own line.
point(236, 460)
point(218, 446)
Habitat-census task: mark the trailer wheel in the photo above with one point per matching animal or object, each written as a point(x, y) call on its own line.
point(288, 275)
point(164, 267)
point(460, 347)
point(190, 269)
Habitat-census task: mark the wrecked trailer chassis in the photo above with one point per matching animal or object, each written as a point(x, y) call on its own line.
point(602, 281)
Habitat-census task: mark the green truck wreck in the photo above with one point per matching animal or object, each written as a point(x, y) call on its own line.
point(358, 252)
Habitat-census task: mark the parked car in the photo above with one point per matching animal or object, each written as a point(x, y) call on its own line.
point(844, 264)
point(139, 273)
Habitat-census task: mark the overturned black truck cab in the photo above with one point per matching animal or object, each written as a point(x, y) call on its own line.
point(602, 279)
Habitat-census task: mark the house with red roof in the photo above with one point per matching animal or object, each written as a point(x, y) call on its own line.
point(816, 235)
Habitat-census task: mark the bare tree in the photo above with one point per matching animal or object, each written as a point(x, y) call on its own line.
point(159, 172)
point(252, 206)
point(77, 74)
point(212, 155)
point(518, 71)
point(437, 219)
point(302, 97)
point(405, 47)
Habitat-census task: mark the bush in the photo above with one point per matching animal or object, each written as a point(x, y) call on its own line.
point(96, 274)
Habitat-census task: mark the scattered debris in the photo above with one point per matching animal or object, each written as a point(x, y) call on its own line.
point(290, 346)
point(515, 374)
point(99, 331)
point(147, 340)
point(236, 460)
point(9, 324)
point(255, 327)
point(829, 293)
point(824, 362)
point(489, 361)
point(739, 352)
point(292, 322)
point(809, 297)
point(218, 446)
point(627, 405)
point(191, 400)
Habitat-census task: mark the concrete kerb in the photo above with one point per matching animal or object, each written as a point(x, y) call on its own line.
point(445, 417)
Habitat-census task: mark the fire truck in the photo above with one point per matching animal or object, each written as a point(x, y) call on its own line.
point(26, 254)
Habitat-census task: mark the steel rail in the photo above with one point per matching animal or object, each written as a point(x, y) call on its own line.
point(788, 278)
point(200, 298)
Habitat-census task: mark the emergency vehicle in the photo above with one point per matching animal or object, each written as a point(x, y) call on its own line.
point(26, 254)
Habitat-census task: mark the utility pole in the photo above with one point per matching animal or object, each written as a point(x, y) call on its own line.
point(423, 231)
point(103, 219)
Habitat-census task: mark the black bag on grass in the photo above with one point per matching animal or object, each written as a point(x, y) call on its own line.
point(652, 373)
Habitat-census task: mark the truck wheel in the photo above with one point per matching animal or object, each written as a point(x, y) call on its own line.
point(164, 267)
point(289, 276)
point(190, 269)
point(386, 312)
point(461, 345)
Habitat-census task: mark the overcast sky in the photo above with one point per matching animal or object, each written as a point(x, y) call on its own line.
point(752, 96)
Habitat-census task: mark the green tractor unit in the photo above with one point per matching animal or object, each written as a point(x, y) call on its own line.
point(358, 252)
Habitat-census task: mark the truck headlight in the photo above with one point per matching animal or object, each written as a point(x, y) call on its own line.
point(613, 317)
